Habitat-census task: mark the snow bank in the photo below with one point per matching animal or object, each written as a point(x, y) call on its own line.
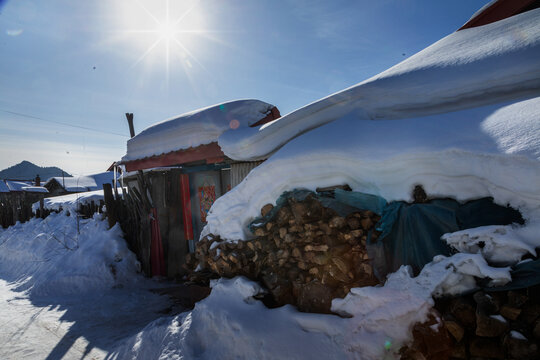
point(486, 151)
point(230, 323)
point(473, 67)
point(49, 257)
point(195, 128)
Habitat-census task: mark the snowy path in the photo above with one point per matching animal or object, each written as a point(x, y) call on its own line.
point(72, 327)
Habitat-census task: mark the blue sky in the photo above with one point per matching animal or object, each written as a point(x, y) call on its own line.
point(86, 63)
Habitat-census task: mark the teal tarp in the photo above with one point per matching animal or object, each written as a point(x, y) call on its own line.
point(524, 275)
point(410, 233)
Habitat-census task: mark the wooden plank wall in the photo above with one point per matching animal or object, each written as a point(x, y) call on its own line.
point(164, 191)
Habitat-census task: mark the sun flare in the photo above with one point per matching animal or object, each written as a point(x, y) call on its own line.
point(163, 30)
point(166, 31)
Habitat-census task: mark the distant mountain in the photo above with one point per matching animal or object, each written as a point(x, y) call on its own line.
point(26, 171)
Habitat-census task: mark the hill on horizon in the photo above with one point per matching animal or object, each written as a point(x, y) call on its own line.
point(27, 171)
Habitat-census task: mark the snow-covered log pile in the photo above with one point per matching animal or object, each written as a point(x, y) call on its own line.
point(306, 255)
point(494, 325)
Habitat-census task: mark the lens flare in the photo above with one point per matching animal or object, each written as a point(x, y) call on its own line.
point(14, 32)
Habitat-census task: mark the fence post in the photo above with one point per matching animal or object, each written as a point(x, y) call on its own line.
point(109, 204)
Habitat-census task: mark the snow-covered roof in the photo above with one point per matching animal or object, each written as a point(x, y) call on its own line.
point(472, 67)
point(195, 128)
point(11, 185)
point(71, 201)
point(37, 189)
point(17, 185)
point(482, 9)
point(492, 151)
point(3, 187)
point(84, 182)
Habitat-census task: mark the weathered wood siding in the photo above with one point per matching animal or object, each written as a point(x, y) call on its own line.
point(164, 194)
point(240, 170)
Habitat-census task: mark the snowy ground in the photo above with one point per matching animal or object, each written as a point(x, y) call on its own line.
point(58, 294)
point(86, 326)
point(71, 295)
point(231, 324)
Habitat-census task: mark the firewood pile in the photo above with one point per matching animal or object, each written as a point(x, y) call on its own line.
point(306, 255)
point(496, 325)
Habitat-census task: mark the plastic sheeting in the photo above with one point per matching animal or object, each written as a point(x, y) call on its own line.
point(524, 275)
point(410, 233)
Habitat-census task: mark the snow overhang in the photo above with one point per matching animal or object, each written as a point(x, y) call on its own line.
point(194, 137)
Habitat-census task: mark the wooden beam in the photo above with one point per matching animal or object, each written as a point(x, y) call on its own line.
point(129, 117)
point(109, 203)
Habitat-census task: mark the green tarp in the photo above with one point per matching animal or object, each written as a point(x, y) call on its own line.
point(524, 275)
point(410, 233)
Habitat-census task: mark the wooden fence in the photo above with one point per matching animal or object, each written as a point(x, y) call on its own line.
point(17, 206)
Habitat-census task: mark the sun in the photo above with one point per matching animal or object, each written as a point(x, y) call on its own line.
point(166, 31)
point(162, 30)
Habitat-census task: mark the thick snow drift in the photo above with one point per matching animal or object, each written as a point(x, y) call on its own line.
point(66, 295)
point(486, 151)
point(473, 67)
point(49, 256)
point(231, 324)
point(195, 128)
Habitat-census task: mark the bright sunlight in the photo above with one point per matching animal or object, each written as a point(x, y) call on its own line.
point(162, 30)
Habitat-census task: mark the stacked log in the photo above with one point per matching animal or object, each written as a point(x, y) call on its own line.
point(496, 325)
point(306, 255)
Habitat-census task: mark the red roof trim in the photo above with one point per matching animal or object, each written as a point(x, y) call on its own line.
point(502, 9)
point(273, 115)
point(211, 153)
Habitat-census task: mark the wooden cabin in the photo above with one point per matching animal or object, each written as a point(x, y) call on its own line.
point(69, 185)
point(171, 193)
point(16, 199)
